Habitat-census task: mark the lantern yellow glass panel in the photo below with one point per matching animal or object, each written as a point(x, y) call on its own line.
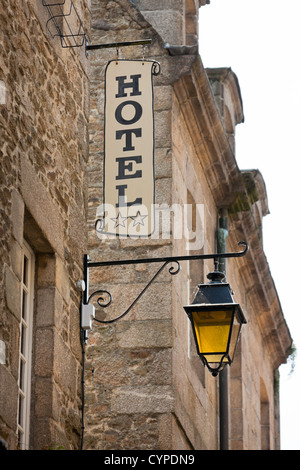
point(216, 322)
point(212, 330)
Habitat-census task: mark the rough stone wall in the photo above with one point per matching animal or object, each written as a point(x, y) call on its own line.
point(253, 410)
point(196, 406)
point(168, 18)
point(135, 378)
point(145, 387)
point(43, 153)
point(128, 381)
point(175, 20)
point(253, 396)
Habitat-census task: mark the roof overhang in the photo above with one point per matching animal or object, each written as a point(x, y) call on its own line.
point(243, 193)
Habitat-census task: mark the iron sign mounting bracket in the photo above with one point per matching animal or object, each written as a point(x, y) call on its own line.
point(65, 22)
point(117, 45)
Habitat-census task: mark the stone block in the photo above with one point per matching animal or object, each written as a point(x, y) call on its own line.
point(156, 302)
point(165, 432)
point(43, 398)
point(17, 216)
point(8, 394)
point(77, 232)
point(16, 258)
point(150, 399)
point(46, 270)
point(44, 351)
point(163, 163)
point(163, 129)
point(236, 392)
point(169, 24)
point(13, 293)
point(49, 308)
point(162, 98)
point(62, 279)
point(163, 191)
point(41, 206)
point(64, 367)
point(145, 334)
point(237, 423)
point(74, 330)
point(42, 436)
point(153, 5)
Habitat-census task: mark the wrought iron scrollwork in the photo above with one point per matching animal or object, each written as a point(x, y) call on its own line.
point(173, 271)
point(215, 370)
point(155, 68)
point(105, 298)
point(101, 300)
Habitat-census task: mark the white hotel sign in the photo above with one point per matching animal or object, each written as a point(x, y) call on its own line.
point(129, 148)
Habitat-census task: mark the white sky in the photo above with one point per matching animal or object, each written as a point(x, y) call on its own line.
point(260, 42)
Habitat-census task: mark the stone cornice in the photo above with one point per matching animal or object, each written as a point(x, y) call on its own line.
point(210, 140)
point(202, 3)
point(243, 193)
point(228, 79)
point(261, 291)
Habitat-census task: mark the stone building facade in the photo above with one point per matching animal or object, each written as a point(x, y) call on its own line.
point(44, 153)
point(145, 387)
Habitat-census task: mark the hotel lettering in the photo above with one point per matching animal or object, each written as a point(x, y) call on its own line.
point(129, 194)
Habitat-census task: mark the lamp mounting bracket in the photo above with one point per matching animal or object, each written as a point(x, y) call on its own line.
point(105, 298)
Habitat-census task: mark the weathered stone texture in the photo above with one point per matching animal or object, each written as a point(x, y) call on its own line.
point(145, 387)
point(43, 153)
point(129, 384)
point(194, 163)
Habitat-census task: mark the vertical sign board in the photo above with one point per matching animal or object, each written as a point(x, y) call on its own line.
point(129, 148)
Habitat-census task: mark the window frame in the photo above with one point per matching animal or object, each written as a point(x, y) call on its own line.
point(25, 346)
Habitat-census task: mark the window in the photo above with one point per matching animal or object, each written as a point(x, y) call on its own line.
point(264, 417)
point(24, 379)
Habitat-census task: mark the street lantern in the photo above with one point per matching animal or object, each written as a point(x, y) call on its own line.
point(216, 319)
point(216, 322)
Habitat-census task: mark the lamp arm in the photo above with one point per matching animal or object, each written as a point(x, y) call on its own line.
point(169, 259)
point(165, 260)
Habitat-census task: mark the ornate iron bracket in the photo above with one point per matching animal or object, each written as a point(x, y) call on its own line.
point(65, 22)
point(117, 45)
point(105, 298)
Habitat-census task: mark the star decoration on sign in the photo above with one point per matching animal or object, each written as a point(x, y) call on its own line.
point(138, 219)
point(119, 220)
